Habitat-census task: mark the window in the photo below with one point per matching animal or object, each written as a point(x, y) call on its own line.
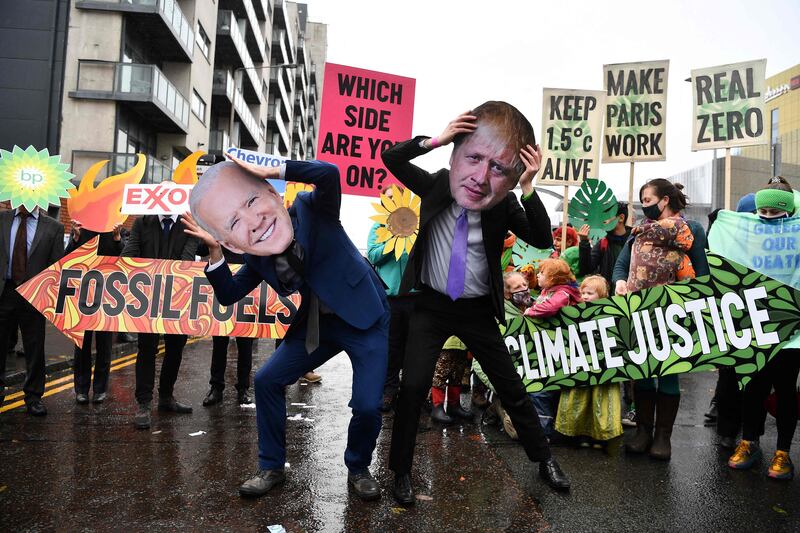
point(198, 106)
point(202, 40)
point(262, 129)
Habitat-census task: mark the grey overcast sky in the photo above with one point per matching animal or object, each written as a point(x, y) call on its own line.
point(465, 52)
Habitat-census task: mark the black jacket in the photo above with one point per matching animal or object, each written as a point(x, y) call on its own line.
point(531, 224)
point(145, 241)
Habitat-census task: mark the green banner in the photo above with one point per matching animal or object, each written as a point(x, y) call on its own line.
point(735, 317)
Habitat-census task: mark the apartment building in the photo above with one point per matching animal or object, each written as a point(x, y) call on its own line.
point(163, 78)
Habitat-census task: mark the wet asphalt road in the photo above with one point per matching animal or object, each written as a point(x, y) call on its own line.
point(87, 468)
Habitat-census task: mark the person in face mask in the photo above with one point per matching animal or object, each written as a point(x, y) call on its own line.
point(776, 200)
point(773, 203)
point(664, 248)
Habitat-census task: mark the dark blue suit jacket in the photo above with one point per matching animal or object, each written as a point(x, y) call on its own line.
point(334, 269)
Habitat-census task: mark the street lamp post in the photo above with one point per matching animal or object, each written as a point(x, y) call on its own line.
point(235, 90)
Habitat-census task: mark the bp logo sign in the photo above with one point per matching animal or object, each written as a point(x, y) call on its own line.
point(33, 178)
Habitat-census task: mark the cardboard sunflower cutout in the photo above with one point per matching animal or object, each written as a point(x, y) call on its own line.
point(399, 219)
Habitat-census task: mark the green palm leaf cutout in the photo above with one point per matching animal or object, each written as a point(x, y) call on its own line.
point(596, 205)
point(525, 254)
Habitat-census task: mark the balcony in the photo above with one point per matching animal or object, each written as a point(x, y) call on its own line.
point(222, 96)
point(155, 171)
point(262, 9)
point(218, 141)
point(254, 39)
point(232, 50)
point(160, 23)
point(143, 88)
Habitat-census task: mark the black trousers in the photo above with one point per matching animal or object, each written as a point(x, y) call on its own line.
point(219, 360)
point(146, 365)
point(436, 317)
point(401, 308)
point(780, 373)
point(14, 311)
point(102, 365)
point(729, 403)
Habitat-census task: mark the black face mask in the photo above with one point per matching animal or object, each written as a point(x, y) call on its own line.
point(521, 298)
point(770, 219)
point(652, 211)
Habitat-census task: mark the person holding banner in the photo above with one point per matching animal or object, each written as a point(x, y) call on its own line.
point(774, 203)
point(159, 237)
point(455, 264)
point(343, 308)
point(663, 248)
point(109, 244)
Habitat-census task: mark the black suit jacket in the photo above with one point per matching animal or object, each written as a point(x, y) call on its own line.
point(47, 246)
point(145, 240)
point(531, 224)
point(106, 245)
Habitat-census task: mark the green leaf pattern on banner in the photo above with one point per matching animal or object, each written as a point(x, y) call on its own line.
point(782, 302)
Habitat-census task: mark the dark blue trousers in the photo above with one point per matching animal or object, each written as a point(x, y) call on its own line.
point(367, 350)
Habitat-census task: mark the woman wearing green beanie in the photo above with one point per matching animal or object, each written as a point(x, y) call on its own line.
point(773, 203)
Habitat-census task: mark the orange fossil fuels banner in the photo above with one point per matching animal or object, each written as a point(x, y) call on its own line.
point(84, 291)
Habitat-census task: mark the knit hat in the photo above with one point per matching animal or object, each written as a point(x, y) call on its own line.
point(747, 203)
point(775, 199)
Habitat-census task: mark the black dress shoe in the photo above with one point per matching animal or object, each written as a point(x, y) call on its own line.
point(213, 397)
point(403, 492)
point(244, 397)
point(261, 483)
point(438, 415)
point(364, 485)
point(553, 475)
point(141, 419)
point(458, 412)
point(99, 397)
point(81, 398)
point(170, 404)
point(36, 408)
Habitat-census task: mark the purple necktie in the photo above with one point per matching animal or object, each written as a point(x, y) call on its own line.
point(458, 258)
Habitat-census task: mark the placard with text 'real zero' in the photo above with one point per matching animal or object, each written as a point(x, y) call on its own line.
point(636, 111)
point(363, 113)
point(729, 105)
point(572, 133)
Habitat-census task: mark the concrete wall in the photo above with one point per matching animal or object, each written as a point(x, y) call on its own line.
point(89, 124)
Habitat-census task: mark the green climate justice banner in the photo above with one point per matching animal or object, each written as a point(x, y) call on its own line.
point(735, 317)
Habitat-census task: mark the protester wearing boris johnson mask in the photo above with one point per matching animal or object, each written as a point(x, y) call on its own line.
point(455, 264)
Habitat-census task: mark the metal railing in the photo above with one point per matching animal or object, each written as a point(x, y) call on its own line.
point(227, 23)
point(169, 10)
point(118, 162)
point(218, 140)
point(131, 81)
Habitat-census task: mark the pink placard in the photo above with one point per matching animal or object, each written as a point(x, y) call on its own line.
point(363, 113)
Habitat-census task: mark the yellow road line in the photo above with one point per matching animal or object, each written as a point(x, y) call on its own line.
point(64, 379)
point(116, 364)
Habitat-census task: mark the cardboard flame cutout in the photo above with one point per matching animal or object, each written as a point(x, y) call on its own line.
point(98, 209)
point(186, 173)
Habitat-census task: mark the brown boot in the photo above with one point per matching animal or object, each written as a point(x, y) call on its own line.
point(645, 413)
point(666, 411)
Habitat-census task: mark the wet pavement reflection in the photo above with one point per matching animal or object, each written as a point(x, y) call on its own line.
point(87, 468)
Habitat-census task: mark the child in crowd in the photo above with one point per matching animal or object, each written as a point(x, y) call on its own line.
point(447, 382)
point(558, 288)
point(591, 412)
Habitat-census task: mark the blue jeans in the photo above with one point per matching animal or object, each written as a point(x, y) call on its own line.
point(546, 404)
